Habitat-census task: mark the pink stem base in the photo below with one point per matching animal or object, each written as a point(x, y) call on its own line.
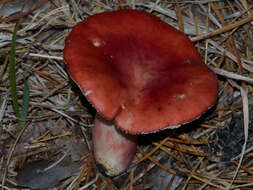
point(113, 149)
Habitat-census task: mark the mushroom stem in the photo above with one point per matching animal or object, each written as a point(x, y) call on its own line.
point(113, 149)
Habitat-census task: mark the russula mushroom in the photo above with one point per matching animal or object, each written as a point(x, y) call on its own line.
point(138, 72)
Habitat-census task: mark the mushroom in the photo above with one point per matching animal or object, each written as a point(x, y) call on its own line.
point(141, 74)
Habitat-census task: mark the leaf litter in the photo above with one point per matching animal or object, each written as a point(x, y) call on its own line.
point(56, 138)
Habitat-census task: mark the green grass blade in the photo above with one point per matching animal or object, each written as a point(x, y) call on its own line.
point(25, 103)
point(12, 70)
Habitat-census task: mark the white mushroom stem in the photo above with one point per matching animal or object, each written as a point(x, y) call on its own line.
point(113, 149)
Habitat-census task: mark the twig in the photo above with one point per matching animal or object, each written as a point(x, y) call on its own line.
point(223, 29)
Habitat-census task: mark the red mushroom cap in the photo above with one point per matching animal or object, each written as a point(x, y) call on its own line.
point(139, 71)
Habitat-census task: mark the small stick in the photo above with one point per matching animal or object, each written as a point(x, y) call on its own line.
point(223, 29)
